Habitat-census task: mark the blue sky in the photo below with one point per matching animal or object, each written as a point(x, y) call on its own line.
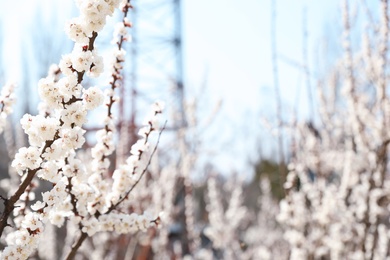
point(233, 42)
point(229, 42)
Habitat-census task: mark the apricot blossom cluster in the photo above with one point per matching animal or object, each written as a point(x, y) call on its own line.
point(79, 193)
point(7, 99)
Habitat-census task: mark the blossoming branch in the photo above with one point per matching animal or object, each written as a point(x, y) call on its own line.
point(85, 196)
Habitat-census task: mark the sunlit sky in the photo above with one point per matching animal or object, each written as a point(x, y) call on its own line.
point(231, 40)
point(228, 43)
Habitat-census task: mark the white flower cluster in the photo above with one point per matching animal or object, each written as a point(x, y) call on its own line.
point(81, 29)
point(92, 199)
point(27, 158)
point(128, 174)
point(79, 192)
point(264, 238)
point(120, 35)
point(7, 99)
point(121, 32)
point(92, 19)
point(120, 223)
point(39, 128)
point(224, 225)
point(337, 203)
point(23, 242)
point(93, 97)
point(105, 137)
point(54, 136)
point(53, 76)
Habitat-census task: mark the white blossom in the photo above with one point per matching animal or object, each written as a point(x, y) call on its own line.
point(81, 60)
point(75, 30)
point(93, 97)
point(27, 158)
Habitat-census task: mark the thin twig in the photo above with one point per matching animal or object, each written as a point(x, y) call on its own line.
point(83, 235)
point(141, 175)
point(76, 246)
